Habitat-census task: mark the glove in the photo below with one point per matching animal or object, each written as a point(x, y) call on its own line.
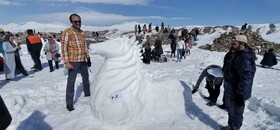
point(240, 100)
point(194, 91)
point(88, 62)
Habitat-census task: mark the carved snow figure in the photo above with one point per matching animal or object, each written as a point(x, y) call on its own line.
point(122, 94)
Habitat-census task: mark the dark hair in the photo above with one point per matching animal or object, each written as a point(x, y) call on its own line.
point(70, 17)
point(270, 50)
point(29, 31)
point(7, 37)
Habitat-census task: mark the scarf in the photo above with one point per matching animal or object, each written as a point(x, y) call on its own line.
point(52, 47)
point(14, 45)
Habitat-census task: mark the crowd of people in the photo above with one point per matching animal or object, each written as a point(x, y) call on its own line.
point(74, 53)
point(236, 75)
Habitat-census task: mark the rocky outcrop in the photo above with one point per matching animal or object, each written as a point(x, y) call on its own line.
point(255, 41)
point(272, 29)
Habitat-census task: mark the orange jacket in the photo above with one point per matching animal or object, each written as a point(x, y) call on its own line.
point(33, 39)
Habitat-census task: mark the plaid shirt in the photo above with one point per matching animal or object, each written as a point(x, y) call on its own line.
point(73, 46)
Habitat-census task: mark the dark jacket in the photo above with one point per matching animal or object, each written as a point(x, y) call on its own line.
point(240, 77)
point(269, 59)
point(158, 48)
point(33, 43)
point(5, 116)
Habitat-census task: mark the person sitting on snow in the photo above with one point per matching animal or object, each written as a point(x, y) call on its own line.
point(214, 80)
point(269, 59)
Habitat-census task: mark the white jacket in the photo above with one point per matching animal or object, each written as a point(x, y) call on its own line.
point(180, 44)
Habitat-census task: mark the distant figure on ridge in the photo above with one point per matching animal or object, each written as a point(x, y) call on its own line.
point(244, 27)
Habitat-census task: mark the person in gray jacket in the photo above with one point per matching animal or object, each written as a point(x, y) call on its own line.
point(214, 80)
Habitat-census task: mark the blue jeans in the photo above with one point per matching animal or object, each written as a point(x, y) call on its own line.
point(235, 114)
point(179, 55)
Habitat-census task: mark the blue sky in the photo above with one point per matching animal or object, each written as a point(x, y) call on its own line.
point(171, 12)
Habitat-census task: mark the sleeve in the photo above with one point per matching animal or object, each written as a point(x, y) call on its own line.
point(246, 73)
point(8, 49)
point(28, 45)
point(64, 45)
point(87, 49)
point(46, 48)
point(274, 60)
point(201, 77)
point(56, 48)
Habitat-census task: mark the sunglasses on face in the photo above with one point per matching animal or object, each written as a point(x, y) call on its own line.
point(77, 22)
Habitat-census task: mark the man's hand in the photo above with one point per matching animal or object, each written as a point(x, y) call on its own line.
point(68, 66)
point(88, 62)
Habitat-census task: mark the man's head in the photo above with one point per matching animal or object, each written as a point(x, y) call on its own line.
point(2, 33)
point(240, 42)
point(29, 31)
point(75, 19)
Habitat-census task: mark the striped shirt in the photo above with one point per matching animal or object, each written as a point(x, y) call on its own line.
point(73, 46)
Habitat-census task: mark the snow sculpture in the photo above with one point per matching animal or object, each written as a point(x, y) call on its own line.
point(121, 93)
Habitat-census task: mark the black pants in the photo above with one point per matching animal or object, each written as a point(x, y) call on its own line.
point(19, 66)
point(5, 116)
point(213, 92)
point(35, 55)
point(173, 52)
point(51, 64)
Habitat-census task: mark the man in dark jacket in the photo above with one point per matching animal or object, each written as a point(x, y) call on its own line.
point(172, 44)
point(238, 82)
point(5, 116)
point(34, 46)
point(269, 59)
point(214, 80)
point(158, 51)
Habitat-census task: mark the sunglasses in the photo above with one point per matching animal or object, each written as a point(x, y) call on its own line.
point(77, 22)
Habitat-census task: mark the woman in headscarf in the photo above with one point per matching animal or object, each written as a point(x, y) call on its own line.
point(51, 49)
point(12, 58)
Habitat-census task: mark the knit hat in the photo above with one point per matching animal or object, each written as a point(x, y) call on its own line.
point(241, 38)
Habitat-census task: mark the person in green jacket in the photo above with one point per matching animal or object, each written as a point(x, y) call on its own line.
point(2, 33)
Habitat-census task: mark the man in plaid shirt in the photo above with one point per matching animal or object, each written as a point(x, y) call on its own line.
point(76, 58)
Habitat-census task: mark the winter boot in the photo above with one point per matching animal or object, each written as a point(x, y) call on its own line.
point(70, 107)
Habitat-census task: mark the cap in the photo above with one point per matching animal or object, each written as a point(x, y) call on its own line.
point(1, 30)
point(241, 38)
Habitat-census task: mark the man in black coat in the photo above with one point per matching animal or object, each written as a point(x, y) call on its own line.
point(34, 46)
point(238, 82)
point(269, 59)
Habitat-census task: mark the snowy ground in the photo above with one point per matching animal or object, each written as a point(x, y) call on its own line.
point(38, 102)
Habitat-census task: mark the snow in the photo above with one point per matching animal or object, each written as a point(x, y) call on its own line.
point(150, 97)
